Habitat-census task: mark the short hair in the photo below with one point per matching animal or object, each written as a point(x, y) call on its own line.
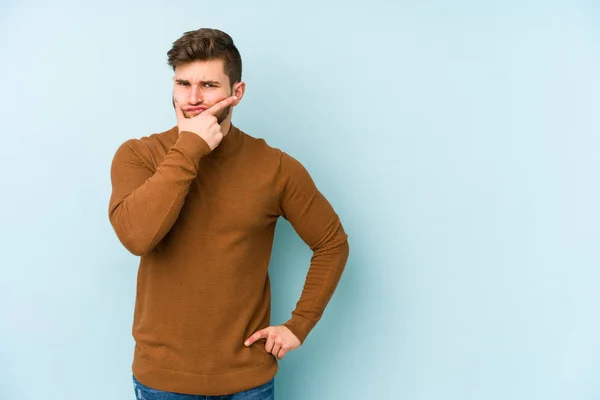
point(207, 44)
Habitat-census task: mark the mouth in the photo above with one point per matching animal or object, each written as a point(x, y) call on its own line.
point(194, 109)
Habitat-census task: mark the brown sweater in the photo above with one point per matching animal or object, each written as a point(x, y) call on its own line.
point(203, 224)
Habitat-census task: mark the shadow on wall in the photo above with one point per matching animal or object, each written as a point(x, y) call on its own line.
point(316, 358)
point(7, 391)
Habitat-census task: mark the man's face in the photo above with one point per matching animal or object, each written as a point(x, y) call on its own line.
point(199, 85)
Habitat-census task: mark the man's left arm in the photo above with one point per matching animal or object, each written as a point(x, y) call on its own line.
point(316, 222)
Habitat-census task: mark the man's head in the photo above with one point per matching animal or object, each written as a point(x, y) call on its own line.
point(208, 68)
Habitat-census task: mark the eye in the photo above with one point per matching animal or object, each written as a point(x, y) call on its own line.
point(209, 85)
point(183, 83)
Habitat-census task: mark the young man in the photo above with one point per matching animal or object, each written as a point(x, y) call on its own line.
point(199, 204)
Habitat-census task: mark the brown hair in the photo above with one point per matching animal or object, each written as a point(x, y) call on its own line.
point(204, 45)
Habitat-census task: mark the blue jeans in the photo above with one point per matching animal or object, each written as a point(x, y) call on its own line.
point(262, 392)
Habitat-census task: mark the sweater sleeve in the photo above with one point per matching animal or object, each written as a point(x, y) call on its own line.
point(315, 221)
point(145, 202)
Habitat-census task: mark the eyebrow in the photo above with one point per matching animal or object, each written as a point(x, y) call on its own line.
point(185, 81)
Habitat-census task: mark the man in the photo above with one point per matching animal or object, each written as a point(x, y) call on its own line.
point(199, 204)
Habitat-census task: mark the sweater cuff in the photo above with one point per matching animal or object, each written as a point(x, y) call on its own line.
point(192, 146)
point(299, 327)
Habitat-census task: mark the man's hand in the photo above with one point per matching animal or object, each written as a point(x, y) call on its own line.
point(204, 124)
point(280, 340)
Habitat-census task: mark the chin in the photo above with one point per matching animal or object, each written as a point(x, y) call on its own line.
point(191, 114)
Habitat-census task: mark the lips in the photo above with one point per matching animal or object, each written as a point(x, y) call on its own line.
point(192, 109)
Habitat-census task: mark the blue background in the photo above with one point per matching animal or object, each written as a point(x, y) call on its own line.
point(458, 141)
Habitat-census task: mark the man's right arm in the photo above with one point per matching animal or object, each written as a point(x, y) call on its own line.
point(144, 203)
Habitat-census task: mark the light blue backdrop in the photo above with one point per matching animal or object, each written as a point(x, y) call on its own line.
point(459, 142)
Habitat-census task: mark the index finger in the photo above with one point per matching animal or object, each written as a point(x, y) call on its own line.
point(262, 334)
point(215, 108)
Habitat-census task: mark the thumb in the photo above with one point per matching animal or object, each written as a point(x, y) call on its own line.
point(262, 334)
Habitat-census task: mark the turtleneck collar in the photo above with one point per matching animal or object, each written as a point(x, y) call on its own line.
point(228, 145)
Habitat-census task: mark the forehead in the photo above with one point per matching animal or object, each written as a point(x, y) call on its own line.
point(202, 71)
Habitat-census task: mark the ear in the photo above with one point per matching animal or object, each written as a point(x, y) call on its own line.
point(238, 90)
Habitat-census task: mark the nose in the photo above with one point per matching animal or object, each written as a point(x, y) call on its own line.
point(195, 95)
